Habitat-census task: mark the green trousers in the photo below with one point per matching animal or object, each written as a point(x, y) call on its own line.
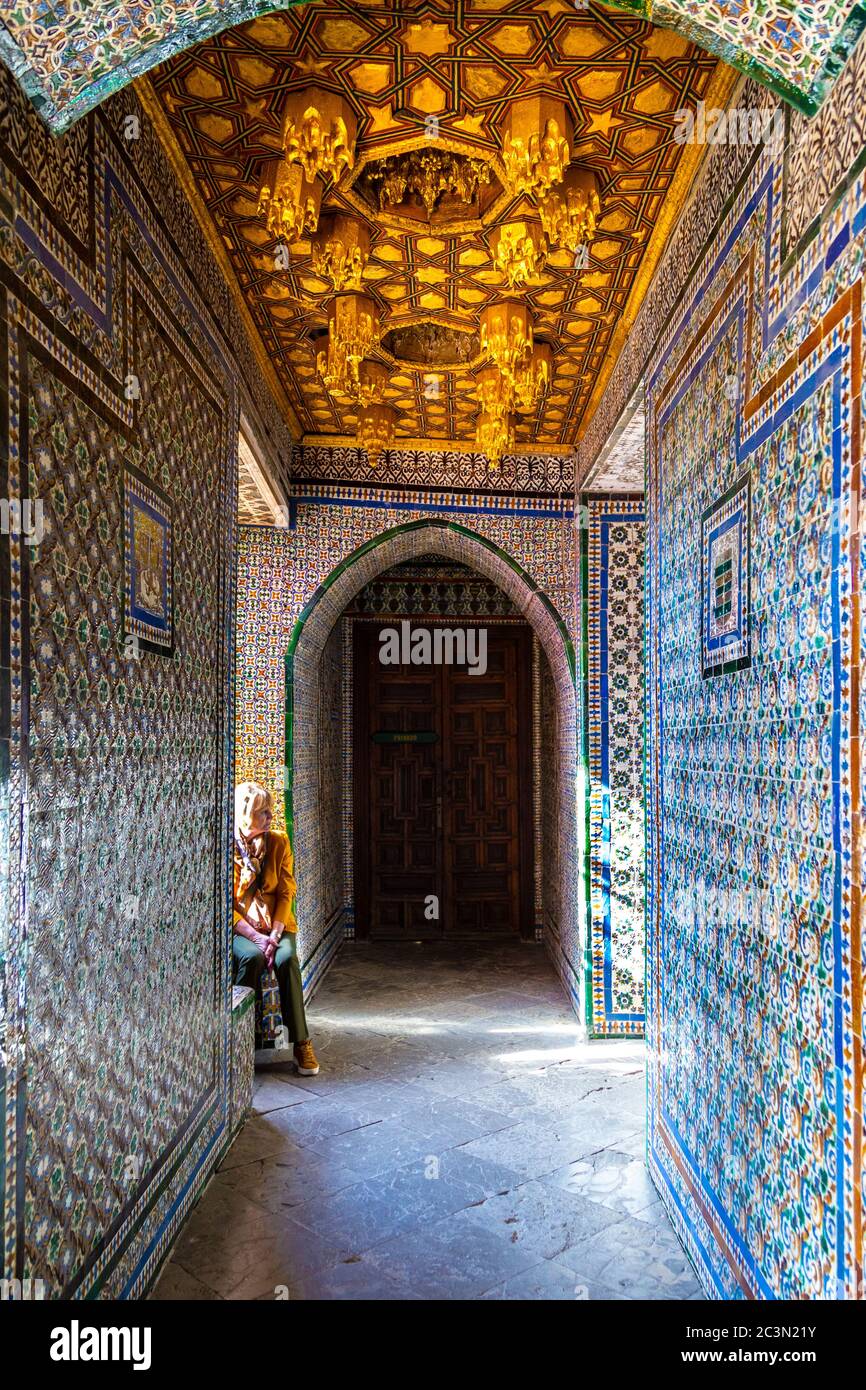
point(248, 965)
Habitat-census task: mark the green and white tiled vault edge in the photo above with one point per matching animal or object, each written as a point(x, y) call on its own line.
point(69, 63)
point(797, 55)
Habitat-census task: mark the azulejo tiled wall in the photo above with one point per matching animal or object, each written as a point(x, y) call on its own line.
point(613, 586)
point(755, 1002)
point(117, 1095)
point(280, 572)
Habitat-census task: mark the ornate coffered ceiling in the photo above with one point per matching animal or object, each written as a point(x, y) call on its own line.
point(400, 65)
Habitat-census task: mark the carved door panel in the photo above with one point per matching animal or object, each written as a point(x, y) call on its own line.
point(481, 801)
point(441, 762)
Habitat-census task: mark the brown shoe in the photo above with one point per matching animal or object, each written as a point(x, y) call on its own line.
point(305, 1059)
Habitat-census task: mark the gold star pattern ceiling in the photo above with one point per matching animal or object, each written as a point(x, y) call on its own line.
point(415, 75)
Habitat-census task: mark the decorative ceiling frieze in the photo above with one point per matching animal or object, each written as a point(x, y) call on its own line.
point(531, 475)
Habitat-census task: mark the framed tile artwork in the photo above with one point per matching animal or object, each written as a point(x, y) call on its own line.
point(148, 552)
point(725, 582)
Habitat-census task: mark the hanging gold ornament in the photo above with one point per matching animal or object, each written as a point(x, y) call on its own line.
point(319, 132)
point(494, 435)
point(494, 393)
point(518, 249)
point(506, 336)
point(534, 379)
point(377, 425)
point(494, 432)
point(337, 373)
point(570, 211)
point(289, 202)
point(537, 143)
point(429, 175)
point(353, 326)
point(340, 250)
point(373, 378)
point(353, 333)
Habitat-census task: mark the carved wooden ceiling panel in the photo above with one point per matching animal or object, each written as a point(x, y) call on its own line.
point(398, 65)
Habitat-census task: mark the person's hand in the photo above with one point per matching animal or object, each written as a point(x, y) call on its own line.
point(263, 942)
point(269, 946)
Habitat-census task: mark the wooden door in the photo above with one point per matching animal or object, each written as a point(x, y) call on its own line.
point(442, 773)
point(481, 805)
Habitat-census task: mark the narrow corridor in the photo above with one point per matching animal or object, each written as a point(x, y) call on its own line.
point(459, 1143)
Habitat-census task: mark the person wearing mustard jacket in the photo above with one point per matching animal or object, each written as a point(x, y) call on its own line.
point(265, 928)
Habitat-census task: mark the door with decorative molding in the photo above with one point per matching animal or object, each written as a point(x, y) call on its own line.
point(443, 823)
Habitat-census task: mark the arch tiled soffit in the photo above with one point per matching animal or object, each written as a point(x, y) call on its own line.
point(392, 547)
point(70, 60)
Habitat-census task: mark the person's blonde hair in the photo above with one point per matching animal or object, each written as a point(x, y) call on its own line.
point(249, 798)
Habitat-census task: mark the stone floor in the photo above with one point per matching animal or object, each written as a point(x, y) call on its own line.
point(459, 1143)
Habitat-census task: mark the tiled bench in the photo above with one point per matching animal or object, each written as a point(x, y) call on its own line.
point(242, 1056)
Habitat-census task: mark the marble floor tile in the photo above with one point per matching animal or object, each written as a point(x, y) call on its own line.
point(482, 1175)
point(450, 1121)
point(378, 1147)
point(280, 1184)
point(449, 1259)
point(543, 1220)
point(259, 1138)
point(321, 1118)
point(611, 1178)
point(636, 1259)
point(531, 1148)
point(461, 1141)
point(369, 1212)
point(257, 1264)
point(272, 1093)
point(635, 1146)
point(353, 1279)
point(175, 1284)
point(549, 1282)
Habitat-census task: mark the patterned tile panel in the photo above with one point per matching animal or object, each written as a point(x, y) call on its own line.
point(614, 711)
point(114, 357)
point(535, 475)
point(243, 1055)
point(821, 151)
point(754, 812)
point(620, 465)
point(560, 930)
point(687, 243)
point(432, 586)
point(330, 769)
point(795, 50)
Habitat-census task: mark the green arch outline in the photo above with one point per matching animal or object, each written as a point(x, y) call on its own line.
point(434, 523)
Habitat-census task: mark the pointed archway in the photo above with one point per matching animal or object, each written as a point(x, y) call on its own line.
point(307, 644)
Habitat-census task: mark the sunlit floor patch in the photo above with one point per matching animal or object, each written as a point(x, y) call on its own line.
point(460, 1141)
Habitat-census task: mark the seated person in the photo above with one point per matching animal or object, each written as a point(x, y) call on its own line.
point(264, 921)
